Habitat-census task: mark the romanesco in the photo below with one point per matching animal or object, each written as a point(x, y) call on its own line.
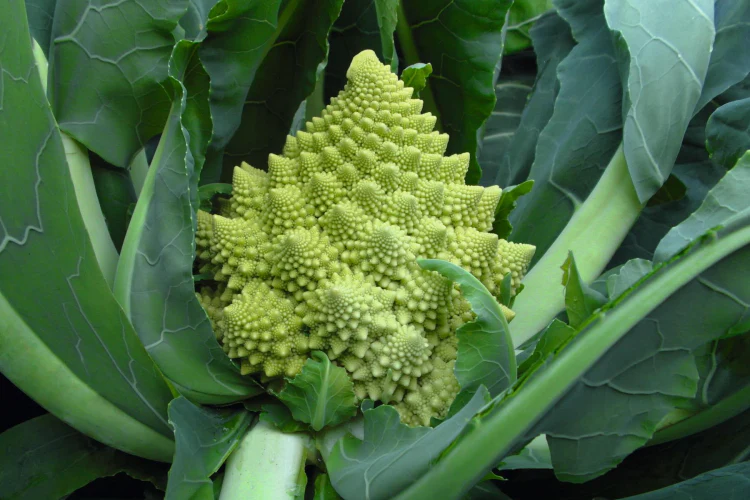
point(319, 252)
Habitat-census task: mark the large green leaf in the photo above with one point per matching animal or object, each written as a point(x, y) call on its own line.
point(578, 142)
point(284, 78)
point(64, 340)
point(321, 394)
point(512, 90)
point(521, 18)
point(463, 40)
point(726, 202)
point(205, 437)
point(628, 367)
point(728, 132)
point(730, 483)
point(44, 458)
point(552, 41)
point(730, 62)
point(363, 24)
point(40, 14)
point(485, 349)
point(154, 282)
point(663, 47)
point(392, 454)
point(108, 62)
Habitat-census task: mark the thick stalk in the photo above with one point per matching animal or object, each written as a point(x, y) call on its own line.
point(138, 171)
point(471, 457)
point(83, 182)
point(267, 464)
point(593, 234)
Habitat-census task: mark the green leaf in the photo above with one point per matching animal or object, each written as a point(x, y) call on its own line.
point(195, 19)
point(65, 341)
point(106, 83)
point(207, 192)
point(154, 281)
point(205, 438)
point(730, 482)
point(628, 367)
point(324, 489)
point(362, 25)
point(554, 337)
point(581, 301)
point(552, 41)
point(40, 14)
point(415, 76)
point(485, 349)
point(726, 202)
point(321, 394)
point(392, 454)
point(535, 455)
point(628, 275)
point(463, 40)
point(508, 202)
point(512, 91)
point(730, 63)
point(728, 132)
point(281, 417)
point(285, 76)
point(649, 42)
point(116, 193)
point(696, 172)
point(584, 129)
point(521, 18)
point(44, 458)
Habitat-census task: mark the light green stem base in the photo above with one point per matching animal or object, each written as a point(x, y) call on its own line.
point(267, 464)
point(593, 235)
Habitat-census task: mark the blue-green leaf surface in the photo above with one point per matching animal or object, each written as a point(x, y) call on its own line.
point(728, 132)
point(45, 458)
point(664, 61)
point(205, 437)
point(726, 202)
point(463, 40)
point(392, 454)
point(521, 18)
point(108, 63)
point(485, 349)
point(552, 41)
point(154, 280)
point(63, 338)
point(582, 135)
point(40, 14)
point(285, 77)
point(321, 395)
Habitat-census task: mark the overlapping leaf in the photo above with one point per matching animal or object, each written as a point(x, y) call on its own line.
point(463, 41)
point(521, 18)
point(65, 340)
point(107, 91)
point(154, 277)
point(205, 437)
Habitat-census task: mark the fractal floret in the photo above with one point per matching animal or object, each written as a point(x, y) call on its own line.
point(320, 251)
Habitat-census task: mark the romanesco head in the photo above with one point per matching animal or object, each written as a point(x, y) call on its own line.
point(319, 252)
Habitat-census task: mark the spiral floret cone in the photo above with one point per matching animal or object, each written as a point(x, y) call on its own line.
point(320, 252)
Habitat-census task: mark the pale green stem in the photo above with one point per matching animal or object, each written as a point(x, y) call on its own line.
point(83, 182)
point(593, 234)
point(722, 411)
point(138, 171)
point(267, 464)
point(495, 434)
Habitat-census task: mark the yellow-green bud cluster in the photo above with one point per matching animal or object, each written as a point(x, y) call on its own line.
point(320, 251)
